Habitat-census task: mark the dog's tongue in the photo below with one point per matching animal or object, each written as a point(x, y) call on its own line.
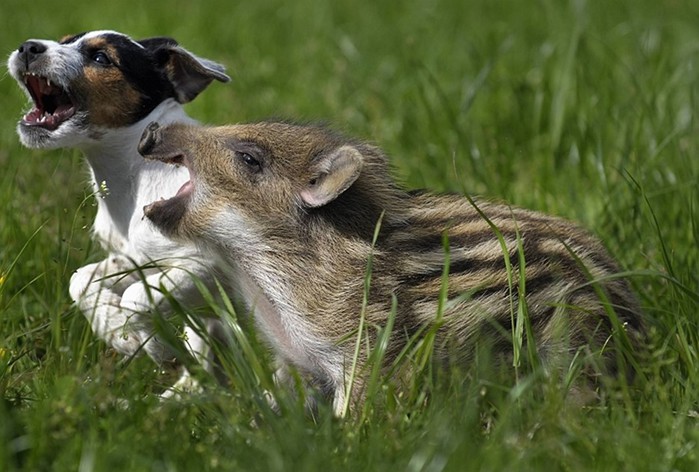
point(47, 120)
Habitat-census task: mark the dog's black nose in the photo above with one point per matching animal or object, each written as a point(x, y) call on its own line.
point(30, 50)
point(149, 138)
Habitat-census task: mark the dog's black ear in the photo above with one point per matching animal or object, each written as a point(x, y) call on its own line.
point(157, 42)
point(187, 73)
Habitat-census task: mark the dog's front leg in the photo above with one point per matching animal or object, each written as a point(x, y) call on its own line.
point(115, 273)
point(97, 290)
point(176, 283)
point(119, 306)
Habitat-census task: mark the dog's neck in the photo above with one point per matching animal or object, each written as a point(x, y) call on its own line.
point(117, 171)
point(116, 149)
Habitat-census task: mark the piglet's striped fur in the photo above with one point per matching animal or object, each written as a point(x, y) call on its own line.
point(291, 211)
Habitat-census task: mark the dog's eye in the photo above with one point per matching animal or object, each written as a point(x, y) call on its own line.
point(101, 58)
point(250, 161)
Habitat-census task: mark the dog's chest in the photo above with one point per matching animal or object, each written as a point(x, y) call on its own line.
point(106, 231)
point(121, 194)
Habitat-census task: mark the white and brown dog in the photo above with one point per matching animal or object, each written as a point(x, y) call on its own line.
point(96, 92)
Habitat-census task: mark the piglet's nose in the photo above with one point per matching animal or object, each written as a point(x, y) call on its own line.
point(149, 139)
point(30, 51)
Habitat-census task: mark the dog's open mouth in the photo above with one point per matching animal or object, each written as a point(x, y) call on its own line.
point(52, 104)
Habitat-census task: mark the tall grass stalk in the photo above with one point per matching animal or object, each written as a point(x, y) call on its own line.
point(581, 109)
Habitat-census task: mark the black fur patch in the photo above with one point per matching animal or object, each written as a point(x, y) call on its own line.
point(142, 66)
point(71, 38)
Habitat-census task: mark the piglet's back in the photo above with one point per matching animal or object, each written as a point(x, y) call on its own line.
point(574, 295)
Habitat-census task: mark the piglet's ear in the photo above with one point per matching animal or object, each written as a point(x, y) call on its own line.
point(188, 73)
point(334, 173)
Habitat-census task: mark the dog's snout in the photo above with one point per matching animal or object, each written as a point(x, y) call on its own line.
point(30, 51)
point(149, 138)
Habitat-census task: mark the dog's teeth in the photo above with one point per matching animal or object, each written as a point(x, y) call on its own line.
point(48, 82)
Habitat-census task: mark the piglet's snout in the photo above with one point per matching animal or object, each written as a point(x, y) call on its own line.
point(149, 139)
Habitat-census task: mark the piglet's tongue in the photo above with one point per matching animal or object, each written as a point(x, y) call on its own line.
point(185, 189)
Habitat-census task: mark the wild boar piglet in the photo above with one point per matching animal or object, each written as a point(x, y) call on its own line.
point(291, 212)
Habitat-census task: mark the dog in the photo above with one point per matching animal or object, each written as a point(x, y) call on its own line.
point(96, 92)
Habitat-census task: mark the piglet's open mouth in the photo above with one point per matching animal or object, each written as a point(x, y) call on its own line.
point(172, 208)
point(52, 104)
point(153, 147)
point(180, 160)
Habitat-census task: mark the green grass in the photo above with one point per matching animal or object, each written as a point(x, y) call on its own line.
point(582, 109)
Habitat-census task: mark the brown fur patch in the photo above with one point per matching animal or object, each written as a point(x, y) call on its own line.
point(311, 263)
point(111, 100)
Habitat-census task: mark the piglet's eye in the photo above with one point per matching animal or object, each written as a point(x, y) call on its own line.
point(249, 161)
point(101, 57)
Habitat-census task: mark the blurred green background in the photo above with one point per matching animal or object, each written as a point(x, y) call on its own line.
point(585, 109)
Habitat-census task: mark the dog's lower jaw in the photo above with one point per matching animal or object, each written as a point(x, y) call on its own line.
point(72, 133)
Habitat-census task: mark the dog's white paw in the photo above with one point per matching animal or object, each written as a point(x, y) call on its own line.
point(186, 385)
point(126, 343)
point(81, 280)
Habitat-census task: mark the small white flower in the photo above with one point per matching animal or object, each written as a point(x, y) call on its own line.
point(103, 189)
